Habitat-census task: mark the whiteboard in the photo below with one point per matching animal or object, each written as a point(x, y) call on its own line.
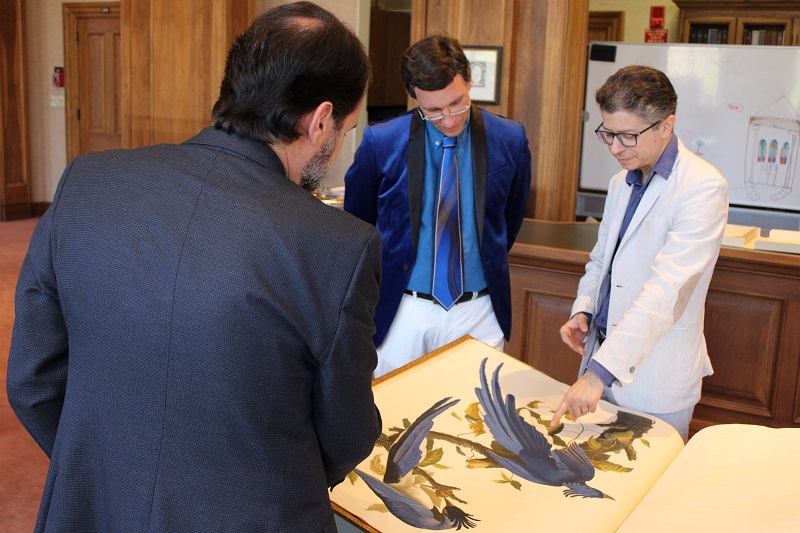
point(738, 108)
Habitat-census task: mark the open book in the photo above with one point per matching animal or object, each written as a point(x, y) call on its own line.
point(466, 445)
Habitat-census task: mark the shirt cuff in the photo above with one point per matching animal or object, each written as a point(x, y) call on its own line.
point(600, 371)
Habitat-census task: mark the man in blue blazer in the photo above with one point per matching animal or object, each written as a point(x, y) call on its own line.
point(394, 184)
point(193, 338)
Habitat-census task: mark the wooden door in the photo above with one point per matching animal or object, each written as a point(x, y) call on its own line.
point(92, 46)
point(174, 59)
point(15, 196)
point(606, 26)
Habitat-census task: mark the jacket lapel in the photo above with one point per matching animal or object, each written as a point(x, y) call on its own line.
point(616, 223)
point(480, 172)
point(416, 173)
point(653, 191)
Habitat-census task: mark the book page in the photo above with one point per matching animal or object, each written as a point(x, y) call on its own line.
point(729, 477)
point(461, 468)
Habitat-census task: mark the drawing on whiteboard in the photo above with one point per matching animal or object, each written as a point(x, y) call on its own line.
point(693, 140)
point(766, 171)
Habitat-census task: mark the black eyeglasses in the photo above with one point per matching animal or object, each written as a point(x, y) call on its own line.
point(628, 140)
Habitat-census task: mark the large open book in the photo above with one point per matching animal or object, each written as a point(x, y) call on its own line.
point(466, 445)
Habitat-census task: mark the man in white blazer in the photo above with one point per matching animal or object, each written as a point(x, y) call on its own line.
point(638, 317)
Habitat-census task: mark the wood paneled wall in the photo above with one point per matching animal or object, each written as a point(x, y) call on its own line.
point(173, 60)
point(15, 197)
point(542, 80)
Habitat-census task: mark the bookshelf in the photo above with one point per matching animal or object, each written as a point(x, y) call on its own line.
point(765, 22)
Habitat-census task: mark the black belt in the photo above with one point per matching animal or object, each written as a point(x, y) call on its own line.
point(466, 297)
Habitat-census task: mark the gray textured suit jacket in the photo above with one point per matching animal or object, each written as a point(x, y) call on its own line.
point(193, 343)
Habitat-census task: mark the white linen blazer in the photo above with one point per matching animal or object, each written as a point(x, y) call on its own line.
point(654, 341)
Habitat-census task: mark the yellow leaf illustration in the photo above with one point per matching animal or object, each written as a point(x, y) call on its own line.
point(472, 411)
point(607, 466)
point(480, 463)
point(376, 466)
point(436, 500)
point(552, 430)
point(432, 457)
point(352, 476)
point(622, 436)
point(381, 508)
point(594, 444)
point(477, 428)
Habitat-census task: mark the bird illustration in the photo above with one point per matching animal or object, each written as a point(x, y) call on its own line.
point(532, 456)
point(398, 490)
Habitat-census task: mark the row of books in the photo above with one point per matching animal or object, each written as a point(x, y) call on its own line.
point(777, 240)
point(767, 37)
point(719, 35)
point(706, 35)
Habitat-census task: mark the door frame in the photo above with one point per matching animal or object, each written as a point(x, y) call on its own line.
point(612, 22)
point(73, 13)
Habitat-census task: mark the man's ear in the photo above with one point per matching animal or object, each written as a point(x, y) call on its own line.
point(319, 123)
point(667, 126)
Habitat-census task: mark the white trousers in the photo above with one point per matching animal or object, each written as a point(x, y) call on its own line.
point(422, 326)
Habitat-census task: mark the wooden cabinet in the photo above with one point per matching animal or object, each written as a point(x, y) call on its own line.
point(752, 312)
point(734, 22)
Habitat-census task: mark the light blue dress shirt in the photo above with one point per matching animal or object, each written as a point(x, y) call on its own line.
point(421, 273)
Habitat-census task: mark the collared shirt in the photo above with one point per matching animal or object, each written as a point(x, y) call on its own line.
point(663, 168)
point(421, 273)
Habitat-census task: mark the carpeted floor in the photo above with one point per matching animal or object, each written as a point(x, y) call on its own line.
point(23, 466)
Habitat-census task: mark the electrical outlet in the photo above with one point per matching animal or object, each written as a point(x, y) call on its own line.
point(57, 100)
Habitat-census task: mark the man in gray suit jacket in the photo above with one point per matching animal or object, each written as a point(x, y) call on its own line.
point(638, 317)
point(193, 338)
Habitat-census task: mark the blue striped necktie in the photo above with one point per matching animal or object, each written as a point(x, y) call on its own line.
point(448, 272)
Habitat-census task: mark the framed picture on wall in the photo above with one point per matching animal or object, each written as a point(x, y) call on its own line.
point(485, 63)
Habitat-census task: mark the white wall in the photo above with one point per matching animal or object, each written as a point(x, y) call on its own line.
point(637, 17)
point(48, 131)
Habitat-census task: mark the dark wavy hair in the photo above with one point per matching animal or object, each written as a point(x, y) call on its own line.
point(433, 63)
point(644, 91)
point(291, 59)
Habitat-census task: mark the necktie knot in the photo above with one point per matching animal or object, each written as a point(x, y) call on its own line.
point(449, 142)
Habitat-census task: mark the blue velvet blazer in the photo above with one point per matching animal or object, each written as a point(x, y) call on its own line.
point(384, 187)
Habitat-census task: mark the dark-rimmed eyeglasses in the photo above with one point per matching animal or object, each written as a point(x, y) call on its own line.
point(628, 140)
point(448, 113)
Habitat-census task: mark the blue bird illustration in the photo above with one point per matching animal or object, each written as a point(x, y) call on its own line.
point(533, 457)
point(398, 490)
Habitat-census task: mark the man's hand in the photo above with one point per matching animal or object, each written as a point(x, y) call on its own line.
point(573, 333)
point(581, 398)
